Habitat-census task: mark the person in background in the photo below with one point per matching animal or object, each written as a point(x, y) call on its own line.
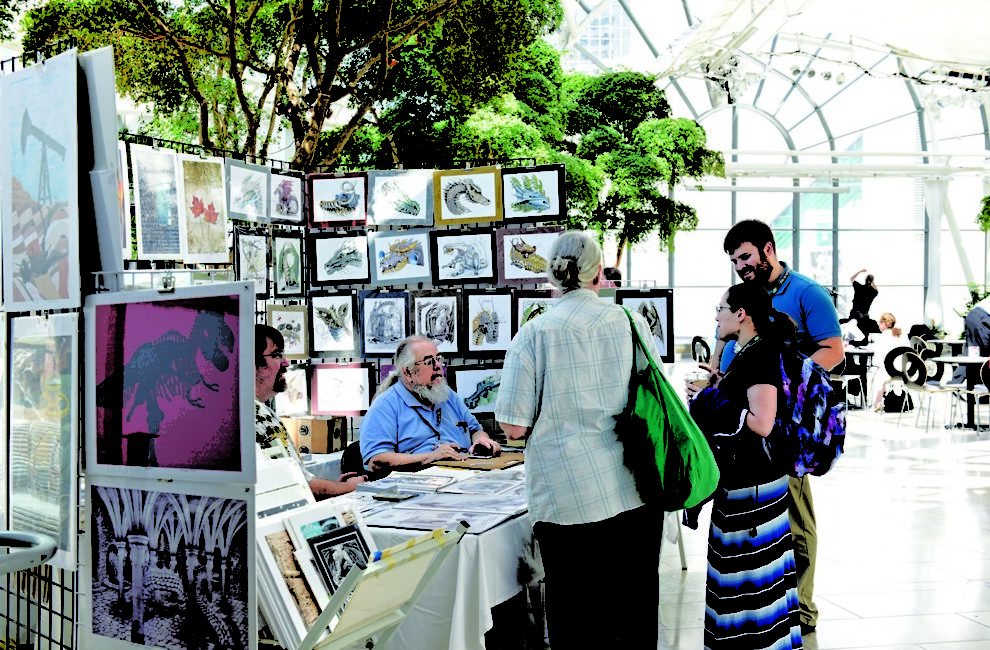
point(269, 432)
point(864, 293)
point(613, 277)
point(564, 381)
point(753, 252)
point(890, 337)
point(751, 596)
point(416, 419)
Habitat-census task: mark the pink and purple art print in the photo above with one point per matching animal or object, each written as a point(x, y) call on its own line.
point(167, 391)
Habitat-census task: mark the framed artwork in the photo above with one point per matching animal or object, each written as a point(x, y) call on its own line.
point(341, 389)
point(338, 200)
point(43, 431)
point(488, 321)
point(436, 315)
point(529, 304)
point(287, 200)
point(477, 386)
point(384, 370)
point(164, 560)
point(332, 324)
point(463, 256)
point(156, 206)
point(39, 186)
point(290, 320)
point(294, 400)
point(248, 191)
point(203, 197)
point(124, 200)
point(467, 196)
point(338, 259)
point(251, 258)
point(384, 321)
point(657, 307)
point(166, 394)
point(523, 254)
point(400, 198)
point(287, 252)
point(534, 193)
point(400, 256)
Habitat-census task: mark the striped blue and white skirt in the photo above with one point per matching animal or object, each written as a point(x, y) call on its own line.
point(751, 601)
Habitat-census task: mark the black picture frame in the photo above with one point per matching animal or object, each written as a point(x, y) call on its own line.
point(288, 199)
point(382, 328)
point(660, 318)
point(331, 327)
point(429, 317)
point(249, 243)
point(519, 312)
point(488, 322)
point(345, 253)
point(472, 260)
point(534, 194)
point(477, 395)
point(287, 263)
point(337, 200)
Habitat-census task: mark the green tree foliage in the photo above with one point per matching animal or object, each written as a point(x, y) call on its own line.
point(621, 123)
point(7, 14)
point(241, 67)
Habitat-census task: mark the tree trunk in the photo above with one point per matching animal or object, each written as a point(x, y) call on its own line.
point(620, 251)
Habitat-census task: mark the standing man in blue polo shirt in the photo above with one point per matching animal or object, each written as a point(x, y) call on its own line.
point(417, 420)
point(753, 252)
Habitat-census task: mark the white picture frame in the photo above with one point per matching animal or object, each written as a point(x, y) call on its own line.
point(203, 210)
point(248, 191)
point(160, 228)
point(400, 257)
point(403, 197)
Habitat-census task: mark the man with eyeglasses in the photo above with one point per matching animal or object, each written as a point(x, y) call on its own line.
point(416, 419)
point(269, 432)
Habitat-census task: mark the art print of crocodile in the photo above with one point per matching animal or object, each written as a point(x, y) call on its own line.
point(649, 311)
point(337, 319)
point(437, 322)
point(401, 253)
point(484, 326)
point(347, 255)
point(344, 202)
point(249, 199)
point(401, 202)
point(524, 256)
point(384, 322)
point(468, 257)
point(458, 194)
point(486, 392)
point(529, 194)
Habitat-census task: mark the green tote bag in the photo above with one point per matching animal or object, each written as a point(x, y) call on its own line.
point(666, 452)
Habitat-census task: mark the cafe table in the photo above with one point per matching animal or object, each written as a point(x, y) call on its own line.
point(972, 365)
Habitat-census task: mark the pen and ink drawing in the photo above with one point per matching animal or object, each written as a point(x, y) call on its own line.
point(338, 259)
point(156, 203)
point(170, 569)
point(202, 195)
point(384, 319)
point(467, 196)
point(523, 253)
point(489, 318)
point(251, 256)
point(287, 253)
point(290, 321)
point(338, 199)
point(294, 399)
point(477, 386)
point(168, 382)
point(248, 193)
point(338, 551)
point(400, 256)
point(341, 389)
point(287, 197)
point(530, 306)
point(533, 193)
point(656, 306)
point(332, 322)
point(43, 433)
point(403, 197)
point(39, 191)
point(436, 316)
point(462, 256)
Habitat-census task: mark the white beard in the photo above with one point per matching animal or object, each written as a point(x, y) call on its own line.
point(436, 394)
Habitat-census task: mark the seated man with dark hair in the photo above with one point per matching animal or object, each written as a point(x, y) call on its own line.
point(269, 432)
point(416, 419)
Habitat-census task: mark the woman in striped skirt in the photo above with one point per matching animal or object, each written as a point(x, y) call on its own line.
point(751, 601)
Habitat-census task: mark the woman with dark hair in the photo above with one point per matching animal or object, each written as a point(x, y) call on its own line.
point(864, 293)
point(751, 599)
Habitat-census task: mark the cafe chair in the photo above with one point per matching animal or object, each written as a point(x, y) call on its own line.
point(838, 377)
point(700, 351)
point(914, 375)
point(978, 393)
point(918, 344)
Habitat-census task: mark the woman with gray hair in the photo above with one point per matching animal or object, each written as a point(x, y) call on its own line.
point(564, 381)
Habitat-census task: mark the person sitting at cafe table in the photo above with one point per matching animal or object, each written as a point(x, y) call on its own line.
point(415, 419)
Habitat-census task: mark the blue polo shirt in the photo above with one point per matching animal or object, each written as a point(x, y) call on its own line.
point(808, 304)
point(398, 422)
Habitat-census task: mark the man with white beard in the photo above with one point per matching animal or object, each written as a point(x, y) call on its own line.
point(416, 419)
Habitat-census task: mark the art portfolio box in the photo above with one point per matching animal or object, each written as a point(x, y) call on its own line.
point(317, 435)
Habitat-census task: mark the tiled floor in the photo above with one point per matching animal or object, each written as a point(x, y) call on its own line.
point(904, 544)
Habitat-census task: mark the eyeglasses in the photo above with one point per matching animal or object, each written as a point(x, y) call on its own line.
point(277, 354)
point(432, 361)
point(719, 308)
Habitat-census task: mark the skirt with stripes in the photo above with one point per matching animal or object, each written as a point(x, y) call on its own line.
point(751, 601)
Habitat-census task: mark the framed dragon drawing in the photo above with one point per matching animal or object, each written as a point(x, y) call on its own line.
point(400, 198)
point(338, 200)
point(657, 307)
point(487, 328)
point(248, 191)
point(338, 259)
point(467, 196)
point(523, 253)
point(533, 193)
point(477, 385)
point(400, 257)
point(463, 256)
